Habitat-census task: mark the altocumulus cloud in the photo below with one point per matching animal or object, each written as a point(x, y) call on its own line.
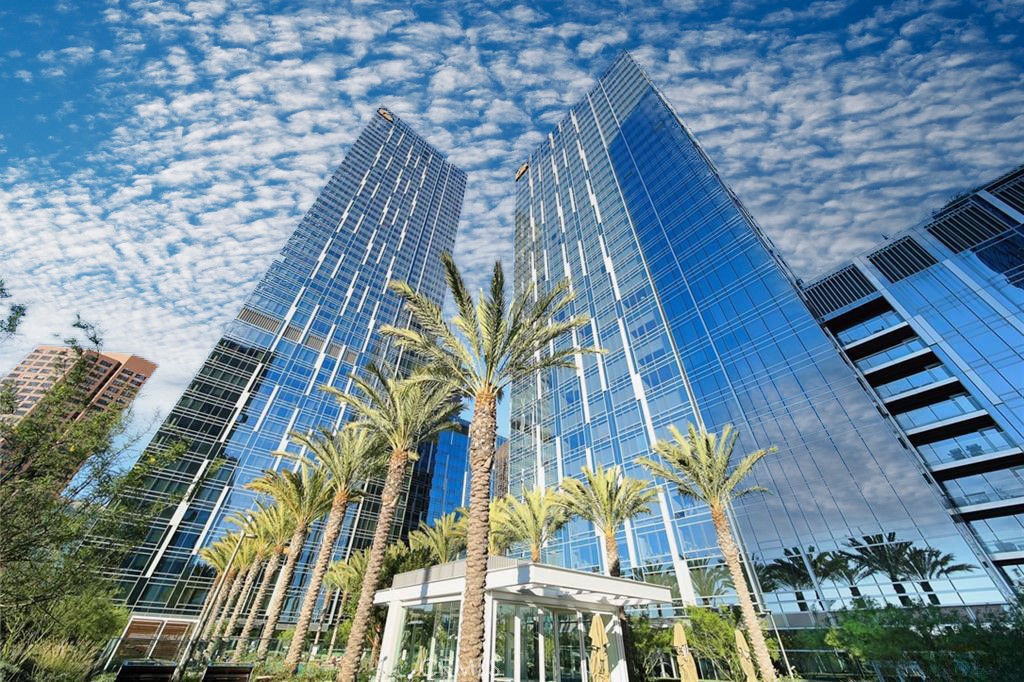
point(161, 151)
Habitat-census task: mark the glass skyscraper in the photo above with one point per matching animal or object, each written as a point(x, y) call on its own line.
point(933, 322)
point(388, 212)
point(702, 322)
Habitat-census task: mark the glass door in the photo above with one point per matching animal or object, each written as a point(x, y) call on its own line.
point(534, 644)
point(569, 643)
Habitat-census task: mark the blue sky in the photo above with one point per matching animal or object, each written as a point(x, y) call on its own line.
point(154, 155)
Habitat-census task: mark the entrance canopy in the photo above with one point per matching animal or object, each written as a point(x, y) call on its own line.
point(542, 623)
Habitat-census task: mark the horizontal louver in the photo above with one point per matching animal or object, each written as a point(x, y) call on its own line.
point(1011, 190)
point(838, 290)
point(901, 259)
point(258, 319)
point(966, 227)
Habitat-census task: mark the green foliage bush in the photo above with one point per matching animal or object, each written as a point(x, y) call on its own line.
point(63, 484)
point(947, 644)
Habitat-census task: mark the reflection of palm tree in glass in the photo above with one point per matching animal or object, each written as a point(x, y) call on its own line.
point(710, 581)
point(884, 554)
point(791, 571)
point(840, 567)
point(927, 563)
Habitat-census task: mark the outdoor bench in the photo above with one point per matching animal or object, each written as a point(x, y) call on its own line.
point(227, 673)
point(145, 671)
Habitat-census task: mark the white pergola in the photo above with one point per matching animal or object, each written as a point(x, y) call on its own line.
point(536, 620)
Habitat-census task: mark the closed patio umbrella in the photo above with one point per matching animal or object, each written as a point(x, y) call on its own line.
point(744, 652)
point(598, 651)
point(684, 659)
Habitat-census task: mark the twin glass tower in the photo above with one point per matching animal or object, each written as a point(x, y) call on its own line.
point(701, 321)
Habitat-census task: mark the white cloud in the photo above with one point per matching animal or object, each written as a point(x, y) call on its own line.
point(226, 118)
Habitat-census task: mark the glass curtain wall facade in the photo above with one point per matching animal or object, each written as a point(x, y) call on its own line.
point(703, 323)
point(388, 212)
point(933, 323)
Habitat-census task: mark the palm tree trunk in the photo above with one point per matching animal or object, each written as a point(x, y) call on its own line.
point(336, 621)
point(332, 530)
point(280, 589)
point(243, 597)
point(210, 608)
point(397, 466)
point(731, 555)
point(236, 589)
point(482, 435)
point(257, 602)
point(611, 550)
point(227, 581)
point(375, 645)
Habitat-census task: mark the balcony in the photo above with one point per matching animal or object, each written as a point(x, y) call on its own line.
point(971, 447)
point(960, 424)
point(953, 407)
point(925, 377)
point(996, 507)
point(879, 341)
point(924, 395)
point(886, 358)
point(855, 333)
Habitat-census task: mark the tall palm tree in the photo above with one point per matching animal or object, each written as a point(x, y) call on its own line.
point(346, 576)
point(927, 563)
point(534, 519)
point(251, 554)
point(443, 541)
point(699, 465)
point(216, 555)
point(401, 413)
point(884, 554)
point(608, 499)
point(482, 350)
point(306, 495)
point(275, 526)
point(349, 457)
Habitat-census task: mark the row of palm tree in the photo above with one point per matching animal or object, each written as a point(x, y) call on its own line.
point(487, 345)
point(877, 554)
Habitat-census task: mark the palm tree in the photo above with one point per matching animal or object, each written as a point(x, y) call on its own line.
point(927, 563)
point(700, 467)
point(884, 554)
point(401, 414)
point(608, 500)
point(443, 541)
point(346, 576)
point(251, 555)
point(481, 351)
point(709, 581)
point(349, 457)
point(275, 526)
point(306, 495)
point(216, 555)
point(534, 519)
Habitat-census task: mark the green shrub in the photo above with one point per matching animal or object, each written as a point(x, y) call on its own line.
point(945, 643)
point(60, 661)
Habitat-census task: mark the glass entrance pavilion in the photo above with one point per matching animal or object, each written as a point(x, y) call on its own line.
point(542, 624)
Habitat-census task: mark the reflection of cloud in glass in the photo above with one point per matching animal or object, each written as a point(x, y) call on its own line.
point(1006, 257)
